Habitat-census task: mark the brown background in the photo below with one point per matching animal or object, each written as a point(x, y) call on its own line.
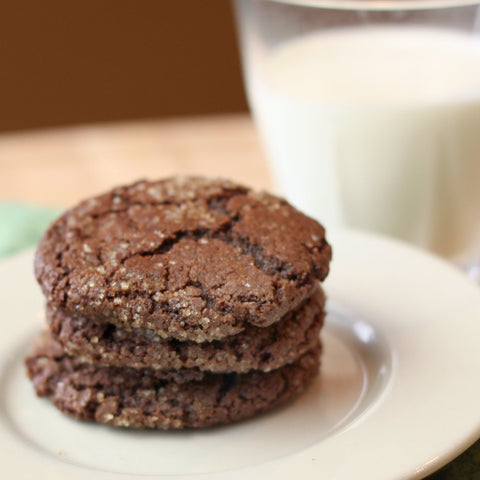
point(72, 61)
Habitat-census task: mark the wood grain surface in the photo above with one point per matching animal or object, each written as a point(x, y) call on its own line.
point(61, 166)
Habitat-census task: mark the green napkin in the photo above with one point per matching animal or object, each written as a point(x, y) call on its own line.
point(22, 225)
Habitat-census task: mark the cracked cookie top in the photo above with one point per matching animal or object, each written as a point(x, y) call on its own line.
point(189, 258)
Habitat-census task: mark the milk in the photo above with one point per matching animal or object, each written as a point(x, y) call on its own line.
point(377, 128)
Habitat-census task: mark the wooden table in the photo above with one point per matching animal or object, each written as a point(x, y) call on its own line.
point(62, 166)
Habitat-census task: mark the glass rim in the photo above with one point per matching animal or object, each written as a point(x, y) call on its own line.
point(381, 5)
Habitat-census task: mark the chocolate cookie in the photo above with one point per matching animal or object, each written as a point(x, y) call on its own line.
point(187, 258)
point(255, 348)
point(132, 398)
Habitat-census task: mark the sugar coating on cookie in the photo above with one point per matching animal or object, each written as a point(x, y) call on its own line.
point(255, 348)
point(127, 397)
point(186, 258)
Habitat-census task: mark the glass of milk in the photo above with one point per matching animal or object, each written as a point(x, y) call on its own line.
point(370, 113)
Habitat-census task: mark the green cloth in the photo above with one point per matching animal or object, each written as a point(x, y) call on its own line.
point(21, 226)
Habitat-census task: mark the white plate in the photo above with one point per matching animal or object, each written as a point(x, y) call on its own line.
point(397, 398)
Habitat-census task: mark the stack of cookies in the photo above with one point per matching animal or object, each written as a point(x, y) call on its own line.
point(185, 302)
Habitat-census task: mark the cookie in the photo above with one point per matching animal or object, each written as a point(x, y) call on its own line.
point(186, 258)
point(129, 397)
point(255, 348)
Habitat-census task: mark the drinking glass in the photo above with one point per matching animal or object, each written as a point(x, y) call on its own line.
point(370, 113)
